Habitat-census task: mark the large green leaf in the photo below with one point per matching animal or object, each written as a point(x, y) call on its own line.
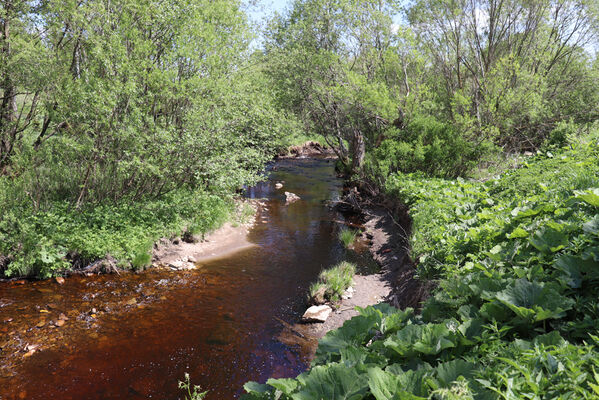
point(575, 269)
point(387, 386)
point(534, 301)
point(426, 339)
point(592, 227)
point(285, 385)
point(549, 240)
point(590, 196)
point(354, 332)
point(332, 382)
point(450, 371)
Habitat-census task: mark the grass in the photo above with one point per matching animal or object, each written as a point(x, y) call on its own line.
point(334, 280)
point(347, 237)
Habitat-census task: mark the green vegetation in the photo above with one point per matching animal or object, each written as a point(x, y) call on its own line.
point(332, 282)
point(450, 86)
point(347, 236)
point(192, 392)
point(46, 243)
point(122, 122)
point(514, 314)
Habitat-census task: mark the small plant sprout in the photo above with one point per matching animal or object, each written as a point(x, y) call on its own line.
point(192, 392)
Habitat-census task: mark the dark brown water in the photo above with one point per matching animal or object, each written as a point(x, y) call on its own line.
point(134, 336)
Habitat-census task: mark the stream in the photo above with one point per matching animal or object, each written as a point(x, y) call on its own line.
point(132, 336)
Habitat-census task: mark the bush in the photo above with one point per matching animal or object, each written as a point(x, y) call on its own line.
point(426, 145)
point(47, 243)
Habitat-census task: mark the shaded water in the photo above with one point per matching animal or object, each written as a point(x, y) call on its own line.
point(218, 323)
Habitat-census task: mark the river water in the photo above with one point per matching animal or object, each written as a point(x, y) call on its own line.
point(134, 336)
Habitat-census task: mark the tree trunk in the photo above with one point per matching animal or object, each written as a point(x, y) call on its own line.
point(8, 107)
point(358, 151)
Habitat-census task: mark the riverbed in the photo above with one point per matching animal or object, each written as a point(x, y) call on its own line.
point(133, 336)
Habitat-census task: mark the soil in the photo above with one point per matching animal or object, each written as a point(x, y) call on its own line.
point(220, 243)
point(390, 249)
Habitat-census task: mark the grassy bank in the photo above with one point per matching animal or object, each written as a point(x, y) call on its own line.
point(514, 315)
point(50, 242)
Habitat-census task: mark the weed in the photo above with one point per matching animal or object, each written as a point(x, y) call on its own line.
point(347, 237)
point(192, 392)
point(334, 280)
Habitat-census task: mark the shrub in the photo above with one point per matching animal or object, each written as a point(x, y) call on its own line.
point(43, 243)
point(426, 145)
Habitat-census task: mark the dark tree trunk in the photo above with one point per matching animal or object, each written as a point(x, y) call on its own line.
point(8, 106)
point(358, 151)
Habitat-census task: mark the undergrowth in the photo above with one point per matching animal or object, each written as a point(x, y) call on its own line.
point(47, 242)
point(515, 312)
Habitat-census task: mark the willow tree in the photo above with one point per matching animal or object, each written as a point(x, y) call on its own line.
point(325, 58)
point(127, 98)
point(511, 69)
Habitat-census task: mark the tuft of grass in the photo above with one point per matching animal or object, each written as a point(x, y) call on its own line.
point(347, 237)
point(334, 280)
point(142, 257)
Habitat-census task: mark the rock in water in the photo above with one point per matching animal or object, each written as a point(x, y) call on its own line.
point(317, 314)
point(59, 280)
point(291, 197)
point(278, 185)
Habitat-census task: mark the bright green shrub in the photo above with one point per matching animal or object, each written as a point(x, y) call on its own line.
point(426, 145)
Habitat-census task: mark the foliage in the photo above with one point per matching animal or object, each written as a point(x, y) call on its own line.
point(426, 145)
point(514, 315)
point(111, 111)
point(43, 244)
point(347, 236)
point(435, 85)
point(334, 280)
point(191, 392)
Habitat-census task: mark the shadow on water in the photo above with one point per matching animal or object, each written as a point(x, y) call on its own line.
point(219, 323)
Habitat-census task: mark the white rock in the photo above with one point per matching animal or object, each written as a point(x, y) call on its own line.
point(278, 185)
point(177, 264)
point(291, 197)
point(191, 259)
point(188, 265)
point(348, 294)
point(317, 314)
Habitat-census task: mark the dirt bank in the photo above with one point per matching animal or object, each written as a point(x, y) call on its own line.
point(390, 249)
point(226, 240)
